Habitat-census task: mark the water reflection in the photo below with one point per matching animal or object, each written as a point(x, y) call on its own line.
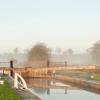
point(46, 83)
point(43, 86)
point(71, 95)
point(54, 90)
point(40, 90)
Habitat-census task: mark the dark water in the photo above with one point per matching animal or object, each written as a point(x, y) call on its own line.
point(54, 90)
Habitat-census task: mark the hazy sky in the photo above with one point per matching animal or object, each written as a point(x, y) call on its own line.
point(59, 23)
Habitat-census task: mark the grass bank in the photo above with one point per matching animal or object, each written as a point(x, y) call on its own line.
point(80, 74)
point(7, 93)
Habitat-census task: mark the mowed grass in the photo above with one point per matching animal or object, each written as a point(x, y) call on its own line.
point(80, 74)
point(7, 93)
point(97, 77)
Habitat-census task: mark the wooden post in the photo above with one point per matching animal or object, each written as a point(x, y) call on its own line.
point(65, 63)
point(11, 66)
point(48, 63)
point(49, 84)
point(3, 71)
point(48, 91)
point(65, 90)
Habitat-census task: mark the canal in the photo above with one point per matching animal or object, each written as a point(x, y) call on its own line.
point(54, 90)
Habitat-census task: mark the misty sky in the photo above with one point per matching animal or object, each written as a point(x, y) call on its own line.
point(59, 23)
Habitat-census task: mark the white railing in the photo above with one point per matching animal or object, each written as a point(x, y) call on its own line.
point(23, 84)
point(16, 82)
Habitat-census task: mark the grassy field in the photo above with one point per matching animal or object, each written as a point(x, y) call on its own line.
point(96, 76)
point(80, 74)
point(7, 93)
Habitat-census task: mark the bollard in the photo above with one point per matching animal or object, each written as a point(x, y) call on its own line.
point(48, 63)
point(11, 66)
point(65, 63)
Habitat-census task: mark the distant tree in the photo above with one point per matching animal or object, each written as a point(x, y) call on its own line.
point(38, 52)
point(16, 51)
point(49, 51)
point(58, 50)
point(68, 52)
point(89, 50)
point(95, 52)
point(26, 51)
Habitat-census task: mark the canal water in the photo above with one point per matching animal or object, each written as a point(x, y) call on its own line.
point(55, 90)
point(71, 95)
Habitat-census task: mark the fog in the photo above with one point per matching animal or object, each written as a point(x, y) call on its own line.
point(57, 58)
point(91, 56)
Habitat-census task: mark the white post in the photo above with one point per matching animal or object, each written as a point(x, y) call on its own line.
point(15, 81)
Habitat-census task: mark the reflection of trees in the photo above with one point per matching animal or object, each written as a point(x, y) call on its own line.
point(42, 83)
point(40, 86)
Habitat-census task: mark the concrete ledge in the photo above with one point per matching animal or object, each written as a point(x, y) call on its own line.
point(24, 93)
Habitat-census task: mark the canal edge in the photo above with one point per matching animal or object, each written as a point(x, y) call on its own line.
point(26, 94)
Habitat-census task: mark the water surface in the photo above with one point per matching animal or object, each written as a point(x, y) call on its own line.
point(54, 90)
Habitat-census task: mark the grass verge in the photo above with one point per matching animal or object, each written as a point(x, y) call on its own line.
point(7, 93)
